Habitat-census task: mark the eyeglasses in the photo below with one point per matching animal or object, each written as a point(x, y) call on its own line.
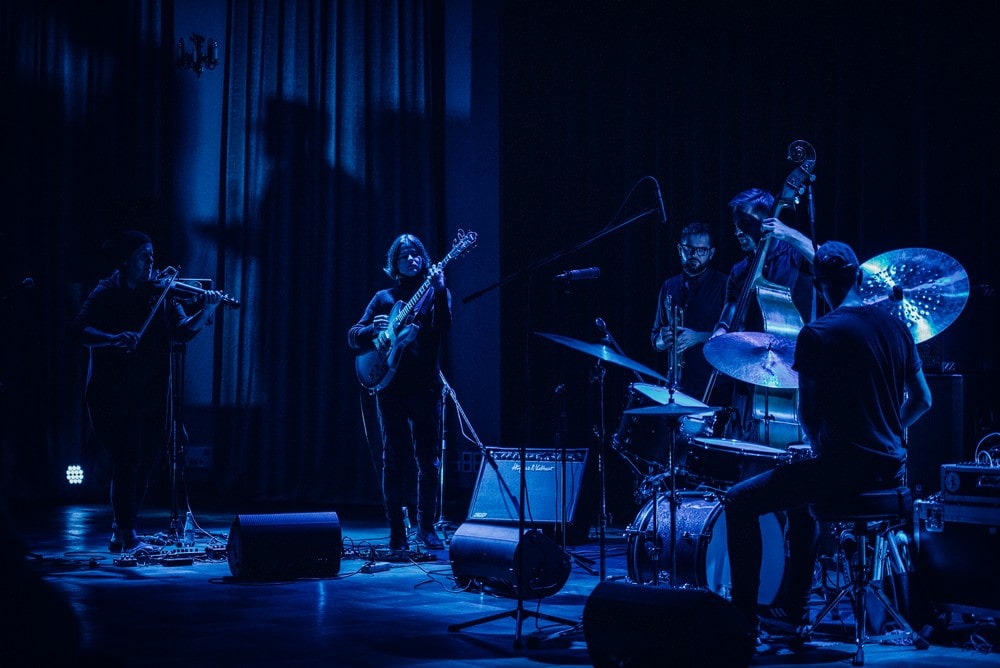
point(697, 251)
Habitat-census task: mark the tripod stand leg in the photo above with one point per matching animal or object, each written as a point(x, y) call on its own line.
point(483, 620)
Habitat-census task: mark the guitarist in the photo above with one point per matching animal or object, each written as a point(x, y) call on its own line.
point(788, 263)
point(409, 407)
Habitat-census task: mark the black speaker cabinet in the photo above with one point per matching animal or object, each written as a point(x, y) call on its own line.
point(497, 491)
point(285, 546)
point(938, 437)
point(492, 555)
point(635, 625)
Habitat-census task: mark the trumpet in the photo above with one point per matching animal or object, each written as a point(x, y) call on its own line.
point(676, 358)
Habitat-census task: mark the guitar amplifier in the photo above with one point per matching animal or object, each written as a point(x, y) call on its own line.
point(970, 483)
point(497, 492)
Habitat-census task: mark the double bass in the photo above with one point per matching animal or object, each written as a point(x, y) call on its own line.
point(775, 410)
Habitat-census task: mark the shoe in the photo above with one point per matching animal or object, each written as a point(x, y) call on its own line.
point(788, 621)
point(430, 539)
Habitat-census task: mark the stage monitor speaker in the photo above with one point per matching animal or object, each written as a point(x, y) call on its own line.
point(285, 546)
point(492, 554)
point(497, 492)
point(635, 625)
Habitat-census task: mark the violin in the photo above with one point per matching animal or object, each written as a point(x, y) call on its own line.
point(166, 281)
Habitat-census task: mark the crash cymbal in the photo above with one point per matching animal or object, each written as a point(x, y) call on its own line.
point(602, 352)
point(758, 358)
point(925, 288)
point(662, 395)
point(670, 410)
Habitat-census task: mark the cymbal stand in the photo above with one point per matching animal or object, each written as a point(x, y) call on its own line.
point(597, 375)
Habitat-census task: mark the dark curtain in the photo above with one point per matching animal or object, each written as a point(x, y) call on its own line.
point(328, 153)
point(85, 154)
point(330, 148)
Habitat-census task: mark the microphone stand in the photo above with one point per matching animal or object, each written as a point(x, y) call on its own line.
point(519, 613)
point(442, 524)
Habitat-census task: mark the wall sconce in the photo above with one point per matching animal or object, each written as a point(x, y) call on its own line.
point(197, 59)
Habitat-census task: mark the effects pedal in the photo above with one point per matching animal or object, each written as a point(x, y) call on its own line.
point(126, 562)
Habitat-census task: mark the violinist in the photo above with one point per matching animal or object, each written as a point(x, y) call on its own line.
point(128, 326)
point(788, 264)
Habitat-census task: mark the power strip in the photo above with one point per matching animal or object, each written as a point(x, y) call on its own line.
point(375, 567)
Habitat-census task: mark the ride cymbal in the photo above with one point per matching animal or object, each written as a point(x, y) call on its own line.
point(925, 288)
point(758, 358)
point(602, 352)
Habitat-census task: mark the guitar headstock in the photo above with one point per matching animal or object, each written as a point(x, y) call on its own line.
point(463, 241)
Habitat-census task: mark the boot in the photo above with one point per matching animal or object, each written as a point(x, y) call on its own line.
point(397, 530)
point(425, 530)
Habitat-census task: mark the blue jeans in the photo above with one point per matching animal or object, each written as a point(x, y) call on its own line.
point(791, 489)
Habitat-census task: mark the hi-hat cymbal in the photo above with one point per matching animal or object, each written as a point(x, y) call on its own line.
point(758, 358)
point(603, 352)
point(663, 395)
point(925, 288)
point(671, 409)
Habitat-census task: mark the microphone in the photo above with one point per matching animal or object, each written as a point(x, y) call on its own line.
point(587, 274)
point(659, 198)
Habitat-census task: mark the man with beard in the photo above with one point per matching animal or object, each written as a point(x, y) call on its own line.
point(695, 296)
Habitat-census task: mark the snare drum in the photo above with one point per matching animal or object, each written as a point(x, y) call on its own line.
point(702, 554)
point(723, 462)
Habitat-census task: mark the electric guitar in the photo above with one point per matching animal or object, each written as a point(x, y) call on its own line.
point(375, 367)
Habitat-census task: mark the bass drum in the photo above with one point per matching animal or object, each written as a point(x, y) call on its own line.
point(702, 555)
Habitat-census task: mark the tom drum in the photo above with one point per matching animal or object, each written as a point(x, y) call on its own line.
point(723, 462)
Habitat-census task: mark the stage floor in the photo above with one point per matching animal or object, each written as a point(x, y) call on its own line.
point(153, 614)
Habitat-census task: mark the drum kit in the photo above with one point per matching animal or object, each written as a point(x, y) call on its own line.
point(924, 288)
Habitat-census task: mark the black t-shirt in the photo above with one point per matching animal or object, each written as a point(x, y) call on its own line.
point(859, 358)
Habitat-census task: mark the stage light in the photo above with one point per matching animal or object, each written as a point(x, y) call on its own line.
point(74, 474)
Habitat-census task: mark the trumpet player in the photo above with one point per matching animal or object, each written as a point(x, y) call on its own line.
point(687, 308)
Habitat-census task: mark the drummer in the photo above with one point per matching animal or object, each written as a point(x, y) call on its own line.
point(853, 365)
point(694, 297)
